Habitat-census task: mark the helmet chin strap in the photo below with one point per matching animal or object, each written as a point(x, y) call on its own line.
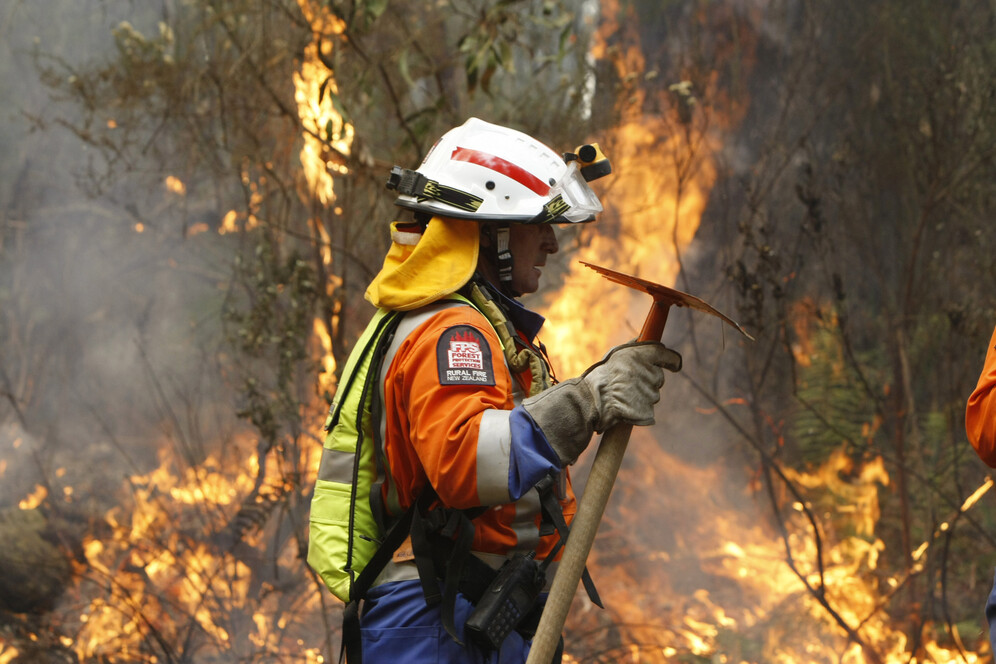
point(500, 256)
point(502, 235)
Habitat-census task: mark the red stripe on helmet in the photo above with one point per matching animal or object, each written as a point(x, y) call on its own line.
point(503, 166)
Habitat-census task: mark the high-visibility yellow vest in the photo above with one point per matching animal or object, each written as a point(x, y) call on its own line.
point(344, 533)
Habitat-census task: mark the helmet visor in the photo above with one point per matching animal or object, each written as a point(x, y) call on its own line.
point(571, 199)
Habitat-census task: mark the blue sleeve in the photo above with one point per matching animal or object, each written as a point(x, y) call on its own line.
point(531, 458)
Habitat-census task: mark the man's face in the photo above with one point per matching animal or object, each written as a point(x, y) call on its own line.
point(530, 245)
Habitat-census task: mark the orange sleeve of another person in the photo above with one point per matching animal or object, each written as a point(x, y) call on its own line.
point(980, 413)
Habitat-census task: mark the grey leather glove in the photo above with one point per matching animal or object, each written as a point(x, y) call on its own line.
point(622, 388)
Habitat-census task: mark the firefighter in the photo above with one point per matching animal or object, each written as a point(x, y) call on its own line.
point(980, 425)
point(980, 412)
point(464, 406)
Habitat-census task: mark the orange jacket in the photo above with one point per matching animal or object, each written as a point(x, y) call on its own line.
point(980, 413)
point(450, 418)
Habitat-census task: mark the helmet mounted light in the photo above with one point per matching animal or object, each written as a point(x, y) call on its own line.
point(593, 163)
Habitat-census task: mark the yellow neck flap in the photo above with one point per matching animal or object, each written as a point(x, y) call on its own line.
point(421, 268)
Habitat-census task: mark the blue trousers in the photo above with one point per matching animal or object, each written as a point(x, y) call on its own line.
point(397, 626)
point(991, 616)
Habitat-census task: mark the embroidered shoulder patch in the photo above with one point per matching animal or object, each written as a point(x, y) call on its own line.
point(463, 357)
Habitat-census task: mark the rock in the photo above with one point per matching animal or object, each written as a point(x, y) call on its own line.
point(33, 571)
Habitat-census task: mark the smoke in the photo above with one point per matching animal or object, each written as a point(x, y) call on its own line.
point(108, 315)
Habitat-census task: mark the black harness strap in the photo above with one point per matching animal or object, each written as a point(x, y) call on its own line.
point(423, 548)
point(376, 407)
point(361, 583)
point(351, 649)
point(460, 526)
point(441, 541)
point(553, 512)
point(344, 389)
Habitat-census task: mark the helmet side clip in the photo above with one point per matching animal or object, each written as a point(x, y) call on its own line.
point(406, 181)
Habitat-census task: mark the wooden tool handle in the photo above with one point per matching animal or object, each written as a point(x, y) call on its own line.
point(653, 327)
point(604, 469)
point(584, 527)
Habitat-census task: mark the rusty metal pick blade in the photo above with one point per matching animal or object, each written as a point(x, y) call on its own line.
point(666, 294)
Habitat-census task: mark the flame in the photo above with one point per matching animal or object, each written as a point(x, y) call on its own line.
point(802, 315)
point(228, 223)
point(198, 228)
point(186, 573)
point(34, 499)
point(175, 185)
point(978, 493)
point(314, 90)
point(166, 571)
point(695, 573)
point(326, 380)
point(7, 653)
point(158, 572)
point(164, 567)
point(653, 203)
point(721, 578)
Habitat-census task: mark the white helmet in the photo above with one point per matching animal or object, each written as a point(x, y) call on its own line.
point(486, 172)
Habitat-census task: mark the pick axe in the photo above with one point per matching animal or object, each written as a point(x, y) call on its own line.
point(604, 469)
